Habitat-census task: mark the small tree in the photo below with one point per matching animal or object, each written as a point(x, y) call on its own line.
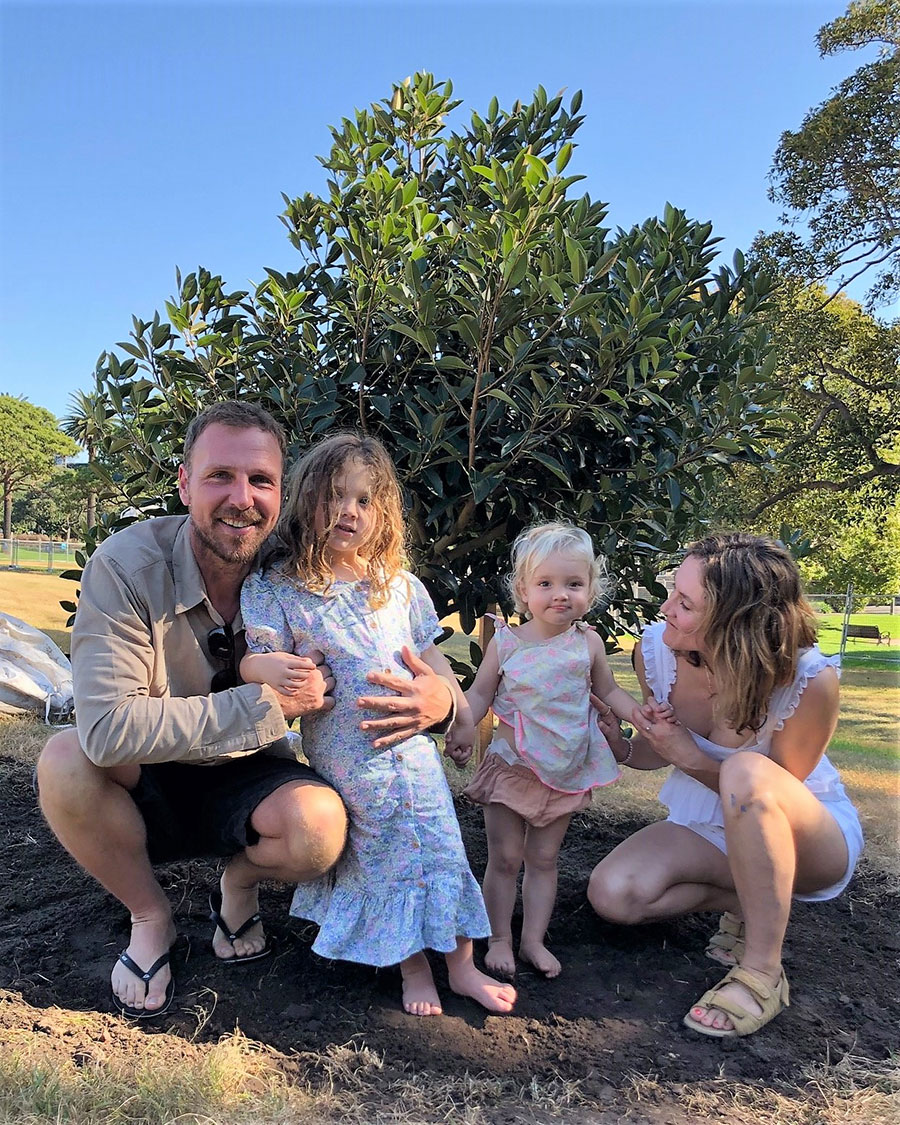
point(454, 298)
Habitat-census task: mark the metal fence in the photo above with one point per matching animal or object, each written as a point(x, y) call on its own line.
point(38, 553)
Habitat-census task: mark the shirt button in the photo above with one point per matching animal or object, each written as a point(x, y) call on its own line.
point(422, 883)
point(399, 757)
point(407, 805)
point(416, 844)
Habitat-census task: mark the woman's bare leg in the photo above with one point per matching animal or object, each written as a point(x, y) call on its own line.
point(780, 839)
point(539, 893)
point(505, 832)
point(662, 871)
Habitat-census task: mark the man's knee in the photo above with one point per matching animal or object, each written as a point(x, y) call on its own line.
point(309, 821)
point(61, 765)
point(617, 894)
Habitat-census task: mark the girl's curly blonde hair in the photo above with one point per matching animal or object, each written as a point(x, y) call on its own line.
point(534, 545)
point(312, 493)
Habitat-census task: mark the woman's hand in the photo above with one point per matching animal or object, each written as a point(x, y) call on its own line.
point(658, 726)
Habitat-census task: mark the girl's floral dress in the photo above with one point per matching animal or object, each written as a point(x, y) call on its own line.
point(403, 883)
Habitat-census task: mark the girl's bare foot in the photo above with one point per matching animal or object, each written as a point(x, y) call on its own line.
point(420, 997)
point(541, 958)
point(150, 938)
point(466, 980)
point(499, 958)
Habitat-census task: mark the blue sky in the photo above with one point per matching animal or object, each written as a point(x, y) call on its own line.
point(139, 137)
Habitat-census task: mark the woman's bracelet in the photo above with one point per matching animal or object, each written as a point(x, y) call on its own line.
point(624, 761)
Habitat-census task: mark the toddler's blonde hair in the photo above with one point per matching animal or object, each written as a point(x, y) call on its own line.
point(537, 543)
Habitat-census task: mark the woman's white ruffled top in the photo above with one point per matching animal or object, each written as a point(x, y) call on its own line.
point(691, 802)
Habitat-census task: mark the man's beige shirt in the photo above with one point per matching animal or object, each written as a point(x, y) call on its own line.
point(140, 659)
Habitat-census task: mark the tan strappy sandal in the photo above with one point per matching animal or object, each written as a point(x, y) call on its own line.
point(771, 1000)
point(726, 946)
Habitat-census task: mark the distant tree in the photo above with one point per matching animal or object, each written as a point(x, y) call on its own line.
point(85, 423)
point(838, 175)
point(521, 363)
point(839, 370)
point(30, 442)
point(59, 506)
point(854, 545)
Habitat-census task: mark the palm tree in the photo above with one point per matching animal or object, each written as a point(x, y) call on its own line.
point(86, 423)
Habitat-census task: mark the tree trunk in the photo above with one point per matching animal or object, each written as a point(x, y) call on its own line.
point(7, 512)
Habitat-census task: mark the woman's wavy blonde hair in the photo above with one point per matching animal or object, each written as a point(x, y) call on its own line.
point(756, 621)
point(312, 490)
point(537, 543)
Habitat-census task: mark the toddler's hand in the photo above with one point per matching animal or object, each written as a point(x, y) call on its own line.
point(661, 712)
point(458, 755)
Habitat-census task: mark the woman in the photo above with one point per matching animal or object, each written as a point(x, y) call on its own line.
point(757, 813)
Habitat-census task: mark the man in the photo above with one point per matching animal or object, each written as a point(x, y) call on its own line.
point(172, 756)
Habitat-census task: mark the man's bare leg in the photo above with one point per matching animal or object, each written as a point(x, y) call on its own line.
point(94, 818)
point(302, 828)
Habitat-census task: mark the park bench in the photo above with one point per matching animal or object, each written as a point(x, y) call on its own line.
point(867, 633)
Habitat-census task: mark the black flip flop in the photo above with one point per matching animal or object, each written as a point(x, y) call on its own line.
point(215, 907)
point(146, 975)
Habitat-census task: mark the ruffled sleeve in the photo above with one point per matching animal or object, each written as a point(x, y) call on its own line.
point(266, 626)
point(659, 661)
point(785, 699)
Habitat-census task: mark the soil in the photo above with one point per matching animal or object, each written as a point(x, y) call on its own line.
point(615, 1011)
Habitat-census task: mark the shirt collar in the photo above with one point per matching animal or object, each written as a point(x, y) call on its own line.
point(190, 589)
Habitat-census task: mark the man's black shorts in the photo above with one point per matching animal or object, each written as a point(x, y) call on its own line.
point(204, 810)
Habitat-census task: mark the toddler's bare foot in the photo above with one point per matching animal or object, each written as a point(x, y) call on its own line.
point(466, 980)
point(420, 997)
point(499, 958)
point(150, 938)
point(541, 957)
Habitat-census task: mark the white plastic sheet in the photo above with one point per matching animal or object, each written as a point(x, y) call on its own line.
point(35, 674)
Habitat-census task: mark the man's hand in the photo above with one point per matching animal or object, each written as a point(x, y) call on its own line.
point(418, 704)
point(311, 686)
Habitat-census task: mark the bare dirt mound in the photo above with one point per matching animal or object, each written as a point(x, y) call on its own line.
point(615, 1011)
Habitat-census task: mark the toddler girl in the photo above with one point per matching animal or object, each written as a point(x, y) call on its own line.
point(548, 751)
point(338, 585)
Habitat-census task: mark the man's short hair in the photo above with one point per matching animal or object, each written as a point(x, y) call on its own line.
point(238, 415)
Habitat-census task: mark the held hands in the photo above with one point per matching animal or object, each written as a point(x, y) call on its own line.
point(609, 724)
point(656, 723)
point(303, 684)
point(417, 704)
point(283, 671)
point(459, 741)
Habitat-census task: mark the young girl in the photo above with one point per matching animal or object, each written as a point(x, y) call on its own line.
point(548, 751)
point(404, 883)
